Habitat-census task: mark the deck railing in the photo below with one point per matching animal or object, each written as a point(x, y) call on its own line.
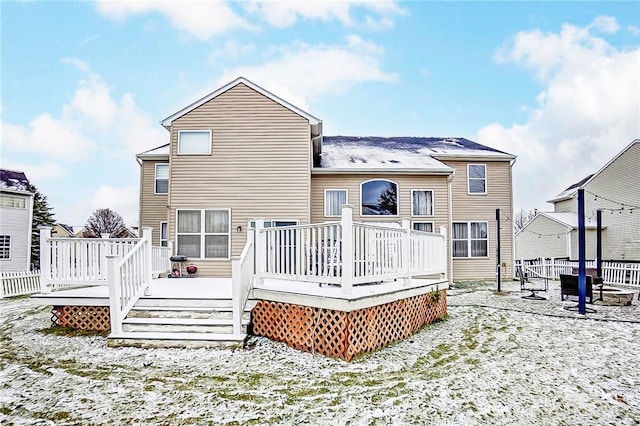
point(242, 282)
point(613, 273)
point(128, 278)
point(76, 262)
point(347, 253)
point(19, 283)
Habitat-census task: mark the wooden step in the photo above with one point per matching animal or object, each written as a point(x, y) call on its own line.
point(183, 325)
point(176, 340)
point(177, 312)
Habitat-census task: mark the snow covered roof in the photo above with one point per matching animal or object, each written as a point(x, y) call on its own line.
point(160, 152)
point(399, 153)
point(240, 80)
point(11, 180)
point(569, 219)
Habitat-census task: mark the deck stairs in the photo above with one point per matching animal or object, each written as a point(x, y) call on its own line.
point(181, 323)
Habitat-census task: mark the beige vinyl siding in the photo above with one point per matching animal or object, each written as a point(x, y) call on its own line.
point(618, 182)
point(405, 183)
point(258, 166)
point(543, 237)
point(482, 208)
point(153, 207)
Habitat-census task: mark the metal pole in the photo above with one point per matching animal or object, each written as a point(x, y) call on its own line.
point(498, 265)
point(599, 242)
point(582, 279)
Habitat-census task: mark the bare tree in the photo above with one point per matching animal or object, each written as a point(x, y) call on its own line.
point(523, 217)
point(105, 221)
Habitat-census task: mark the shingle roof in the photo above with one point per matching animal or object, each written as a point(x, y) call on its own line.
point(14, 181)
point(372, 152)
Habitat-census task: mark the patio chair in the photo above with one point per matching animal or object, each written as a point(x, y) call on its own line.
point(526, 285)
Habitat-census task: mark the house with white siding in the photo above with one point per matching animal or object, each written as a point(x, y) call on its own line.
point(615, 190)
point(16, 217)
point(242, 153)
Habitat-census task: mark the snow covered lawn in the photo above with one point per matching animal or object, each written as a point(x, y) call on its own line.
point(497, 359)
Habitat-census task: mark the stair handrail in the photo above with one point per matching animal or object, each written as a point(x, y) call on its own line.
point(129, 278)
point(242, 275)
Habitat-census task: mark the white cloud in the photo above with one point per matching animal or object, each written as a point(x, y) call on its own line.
point(230, 50)
point(296, 75)
point(36, 173)
point(587, 112)
point(123, 200)
point(201, 19)
point(287, 13)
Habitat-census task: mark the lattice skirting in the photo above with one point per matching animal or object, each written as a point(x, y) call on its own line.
point(95, 318)
point(346, 334)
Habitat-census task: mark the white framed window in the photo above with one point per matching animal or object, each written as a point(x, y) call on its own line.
point(5, 247)
point(422, 202)
point(13, 201)
point(164, 234)
point(333, 199)
point(204, 234)
point(422, 226)
point(196, 142)
point(477, 178)
point(162, 179)
point(470, 239)
point(378, 197)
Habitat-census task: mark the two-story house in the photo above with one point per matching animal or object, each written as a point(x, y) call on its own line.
point(615, 190)
point(242, 153)
point(16, 217)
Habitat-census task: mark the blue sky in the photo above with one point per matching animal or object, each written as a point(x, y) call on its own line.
point(84, 84)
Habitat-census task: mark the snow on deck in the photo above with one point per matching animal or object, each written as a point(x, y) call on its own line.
point(497, 359)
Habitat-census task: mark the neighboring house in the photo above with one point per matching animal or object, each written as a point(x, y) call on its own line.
point(242, 153)
point(614, 189)
point(16, 218)
point(60, 230)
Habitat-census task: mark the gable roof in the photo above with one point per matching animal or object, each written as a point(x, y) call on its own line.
point(352, 153)
point(569, 219)
point(14, 181)
point(573, 189)
point(240, 80)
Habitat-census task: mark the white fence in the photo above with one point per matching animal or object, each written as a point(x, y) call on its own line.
point(161, 259)
point(347, 253)
point(613, 273)
point(19, 283)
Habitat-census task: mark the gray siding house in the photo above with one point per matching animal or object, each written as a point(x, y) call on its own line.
point(615, 190)
point(16, 216)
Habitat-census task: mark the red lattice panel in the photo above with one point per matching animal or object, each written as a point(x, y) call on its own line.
point(94, 318)
point(346, 334)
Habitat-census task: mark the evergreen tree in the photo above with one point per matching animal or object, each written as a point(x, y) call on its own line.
point(105, 221)
point(388, 200)
point(42, 216)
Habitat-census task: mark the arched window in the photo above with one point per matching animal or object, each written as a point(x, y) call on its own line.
point(379, 197)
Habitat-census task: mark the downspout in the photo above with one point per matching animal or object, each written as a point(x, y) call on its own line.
point(450, 224)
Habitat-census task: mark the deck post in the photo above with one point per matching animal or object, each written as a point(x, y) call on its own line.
point(260, 250)
point(346, 223)
point(148, 268)
point(45, 259)
point(113, 278)
point(407, 258)
point(447, 259)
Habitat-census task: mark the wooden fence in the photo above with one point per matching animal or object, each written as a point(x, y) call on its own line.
point(613, 273)
point(19, 283)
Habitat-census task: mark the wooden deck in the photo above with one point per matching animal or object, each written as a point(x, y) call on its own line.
point(206, 291)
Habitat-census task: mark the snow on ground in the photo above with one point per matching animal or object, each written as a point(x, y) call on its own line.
point(497, 359)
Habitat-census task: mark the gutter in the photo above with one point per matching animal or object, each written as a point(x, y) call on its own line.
point(443, 172)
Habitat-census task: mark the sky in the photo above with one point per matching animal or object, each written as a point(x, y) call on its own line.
point(85, 84)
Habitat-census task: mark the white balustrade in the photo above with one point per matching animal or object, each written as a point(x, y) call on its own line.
point(242, 281)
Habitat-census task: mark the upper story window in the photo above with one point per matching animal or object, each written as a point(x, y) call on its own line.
point(5, 247)
point(470, 239)
point(204, 234)
point(333, 199)
point(422, 202)
point(477, 178)
point(379, 198)
point(194, 142)
point(162, 179)
point(13, 201)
